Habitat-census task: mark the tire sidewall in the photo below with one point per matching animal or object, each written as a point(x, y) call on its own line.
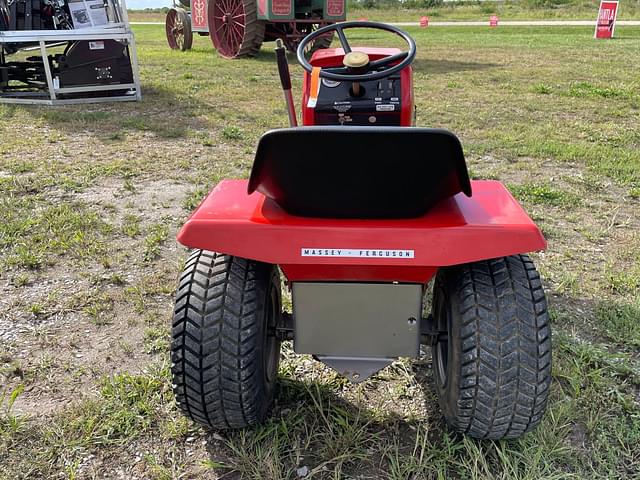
point(187, 32)
point(448, 393)
point(271, 282)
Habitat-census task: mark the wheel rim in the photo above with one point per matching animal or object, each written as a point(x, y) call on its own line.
point(442, 316)
point(175, 30)
point(227, 20)
point(271, 350)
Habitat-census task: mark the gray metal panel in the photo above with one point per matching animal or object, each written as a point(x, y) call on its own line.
point(357, 319)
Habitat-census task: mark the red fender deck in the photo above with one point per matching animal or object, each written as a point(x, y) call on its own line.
point(458, 230)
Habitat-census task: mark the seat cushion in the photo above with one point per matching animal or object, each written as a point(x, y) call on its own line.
point(359, 172)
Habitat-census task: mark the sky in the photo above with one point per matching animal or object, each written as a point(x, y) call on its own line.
point(140, 4)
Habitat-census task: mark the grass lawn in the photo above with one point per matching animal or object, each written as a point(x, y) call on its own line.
point(91, 198)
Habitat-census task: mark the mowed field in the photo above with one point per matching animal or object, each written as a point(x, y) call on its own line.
point(91, 198)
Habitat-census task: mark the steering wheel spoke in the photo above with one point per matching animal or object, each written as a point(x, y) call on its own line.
point(343, 39)
point(387, 60)
point(339, 70)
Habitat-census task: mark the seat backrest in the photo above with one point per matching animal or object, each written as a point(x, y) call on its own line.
point(359, 172)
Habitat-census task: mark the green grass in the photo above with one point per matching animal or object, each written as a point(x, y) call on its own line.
point(155, 238)
point(549, 111)
point(131, 225)
point(620, 321)
point(156, 340)
point(124, 408)
point(194, 197)
point(33, 234)
point(544, 195)
point(11, 425)
point(99, 308)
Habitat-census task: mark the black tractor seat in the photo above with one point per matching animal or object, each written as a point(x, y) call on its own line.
point(359, 172)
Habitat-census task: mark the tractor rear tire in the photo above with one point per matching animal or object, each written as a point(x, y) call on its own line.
point(234, 27)
point(224, 351)
point(492, 369)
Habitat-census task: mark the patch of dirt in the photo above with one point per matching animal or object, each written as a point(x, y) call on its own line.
point(578, 436)
point(584, 236)
point(91, 317)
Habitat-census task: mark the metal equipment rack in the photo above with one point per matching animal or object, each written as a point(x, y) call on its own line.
point(119, 31)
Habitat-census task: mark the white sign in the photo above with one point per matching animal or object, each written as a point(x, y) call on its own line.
point(88, 13)
point(356, 253)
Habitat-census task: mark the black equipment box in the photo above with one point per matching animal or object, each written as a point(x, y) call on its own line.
point(97, 62)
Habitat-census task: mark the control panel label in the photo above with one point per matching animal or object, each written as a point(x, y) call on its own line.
point(356, 253)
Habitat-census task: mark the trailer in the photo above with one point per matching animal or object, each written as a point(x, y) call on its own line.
point(55, 52)
point(238, 28)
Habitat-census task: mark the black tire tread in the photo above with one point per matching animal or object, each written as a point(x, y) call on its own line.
point(253, 31)
point(188, 32)
point(214, 350)
point(505, 347)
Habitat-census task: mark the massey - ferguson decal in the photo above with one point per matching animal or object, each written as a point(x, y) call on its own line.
point(356, 253)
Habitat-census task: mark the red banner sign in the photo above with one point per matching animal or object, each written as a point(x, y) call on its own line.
point(335, 8)
point(199, 14)
point(281, 7)
point(606, 23)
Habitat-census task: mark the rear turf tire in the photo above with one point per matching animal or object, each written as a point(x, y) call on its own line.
point(492, 372)
point(224, 351)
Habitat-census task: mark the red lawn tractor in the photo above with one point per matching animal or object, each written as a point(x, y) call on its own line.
point(238, 27)
point(360, 211)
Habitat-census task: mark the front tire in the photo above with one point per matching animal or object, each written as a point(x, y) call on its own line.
point(178, 29)
point(492, 369)
point(224, 351)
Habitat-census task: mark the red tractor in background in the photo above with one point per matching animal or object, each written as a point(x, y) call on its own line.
point(237, 28)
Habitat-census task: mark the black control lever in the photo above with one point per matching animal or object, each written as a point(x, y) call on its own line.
point(285, 80)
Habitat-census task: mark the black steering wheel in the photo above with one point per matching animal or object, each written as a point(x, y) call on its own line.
point(363, 73)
